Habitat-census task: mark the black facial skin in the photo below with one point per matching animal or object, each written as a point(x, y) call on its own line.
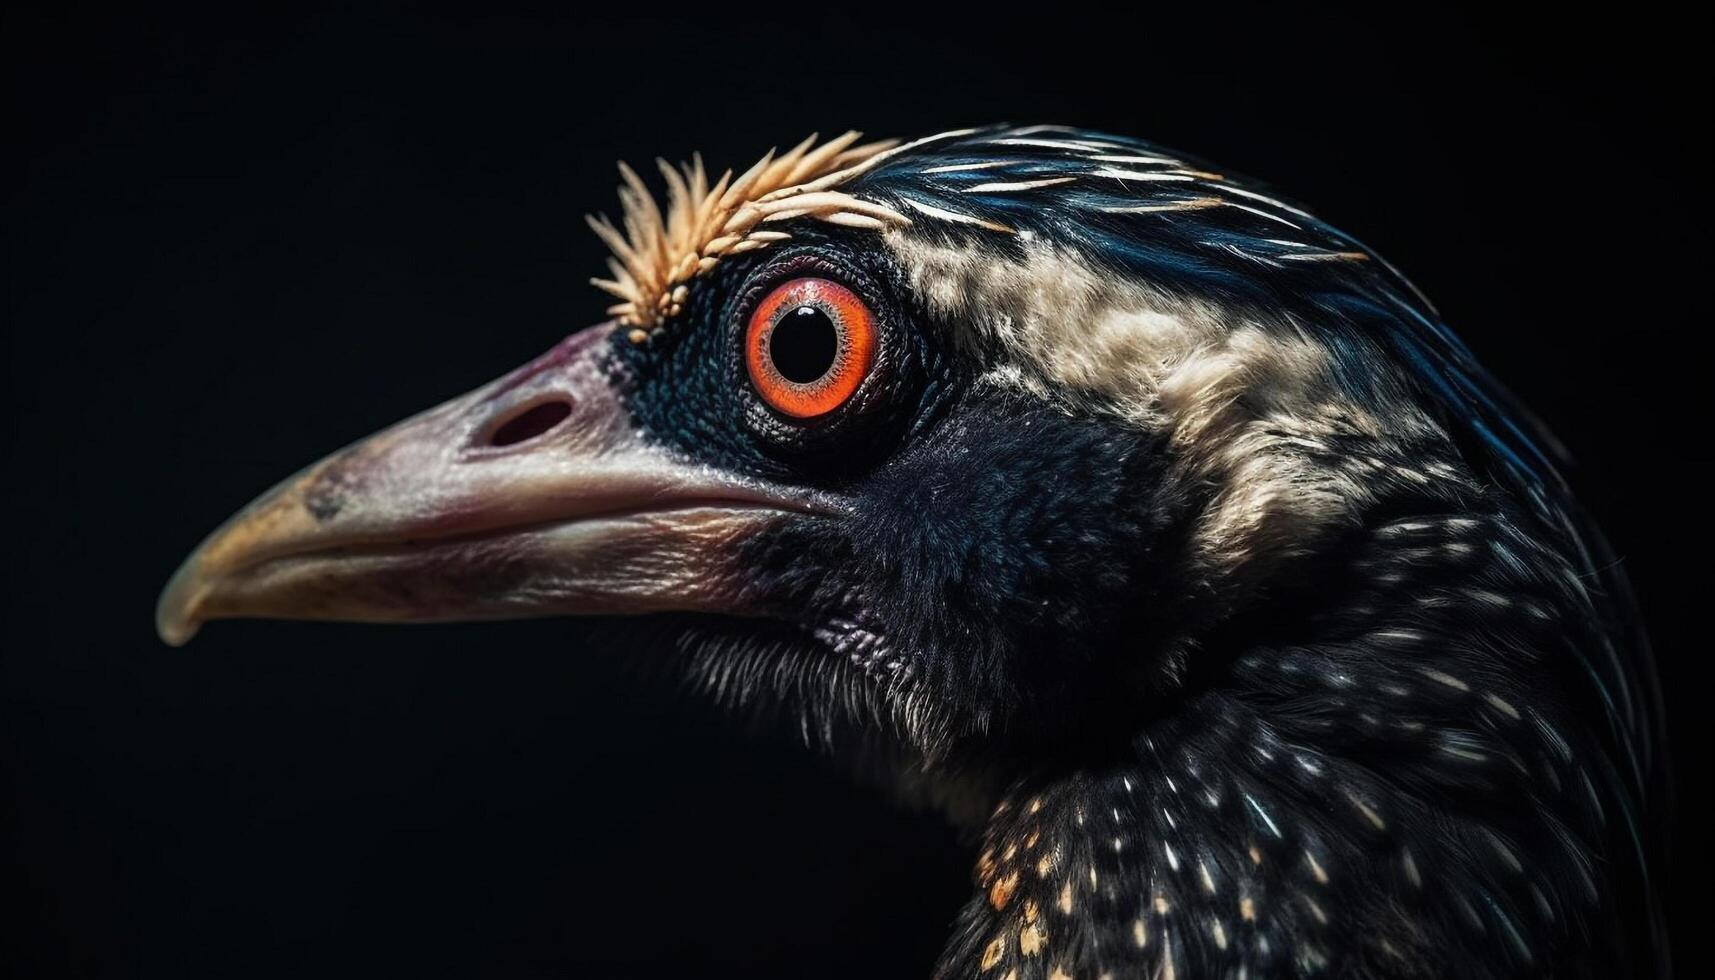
point(688, 387)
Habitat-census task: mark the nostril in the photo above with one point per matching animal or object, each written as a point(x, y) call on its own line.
point(530, 423)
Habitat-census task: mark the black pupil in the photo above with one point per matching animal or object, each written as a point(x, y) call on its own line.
point(804, 344)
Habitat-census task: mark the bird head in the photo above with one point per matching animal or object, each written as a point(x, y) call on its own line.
point(1123, 504)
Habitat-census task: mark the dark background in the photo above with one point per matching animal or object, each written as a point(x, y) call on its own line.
point(234, 243)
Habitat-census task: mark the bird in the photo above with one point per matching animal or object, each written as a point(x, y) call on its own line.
point(1159, 533)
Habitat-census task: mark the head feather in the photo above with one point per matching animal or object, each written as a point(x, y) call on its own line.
point(656, 252)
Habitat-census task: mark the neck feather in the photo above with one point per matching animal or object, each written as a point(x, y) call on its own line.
point(1403, 781)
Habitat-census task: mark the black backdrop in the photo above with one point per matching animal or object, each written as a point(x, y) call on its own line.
point(236, 242)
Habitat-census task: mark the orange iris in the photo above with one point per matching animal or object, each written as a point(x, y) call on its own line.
point(808, 347)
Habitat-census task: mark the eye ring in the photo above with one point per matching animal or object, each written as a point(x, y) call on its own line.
point(808, 347)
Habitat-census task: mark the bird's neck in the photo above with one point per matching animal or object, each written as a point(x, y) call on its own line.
point(1393, 783)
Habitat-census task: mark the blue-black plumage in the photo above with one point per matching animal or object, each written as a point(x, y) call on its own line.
point(1156, 529)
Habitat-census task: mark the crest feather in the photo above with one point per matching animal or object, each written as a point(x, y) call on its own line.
point(657, 253)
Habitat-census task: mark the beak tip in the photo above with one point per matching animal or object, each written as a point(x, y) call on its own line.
point(176, 633)
point(176, 618)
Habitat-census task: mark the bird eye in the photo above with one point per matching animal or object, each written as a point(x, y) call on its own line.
point(809, 346)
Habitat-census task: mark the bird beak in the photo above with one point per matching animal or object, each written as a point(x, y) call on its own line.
point(534, 495)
